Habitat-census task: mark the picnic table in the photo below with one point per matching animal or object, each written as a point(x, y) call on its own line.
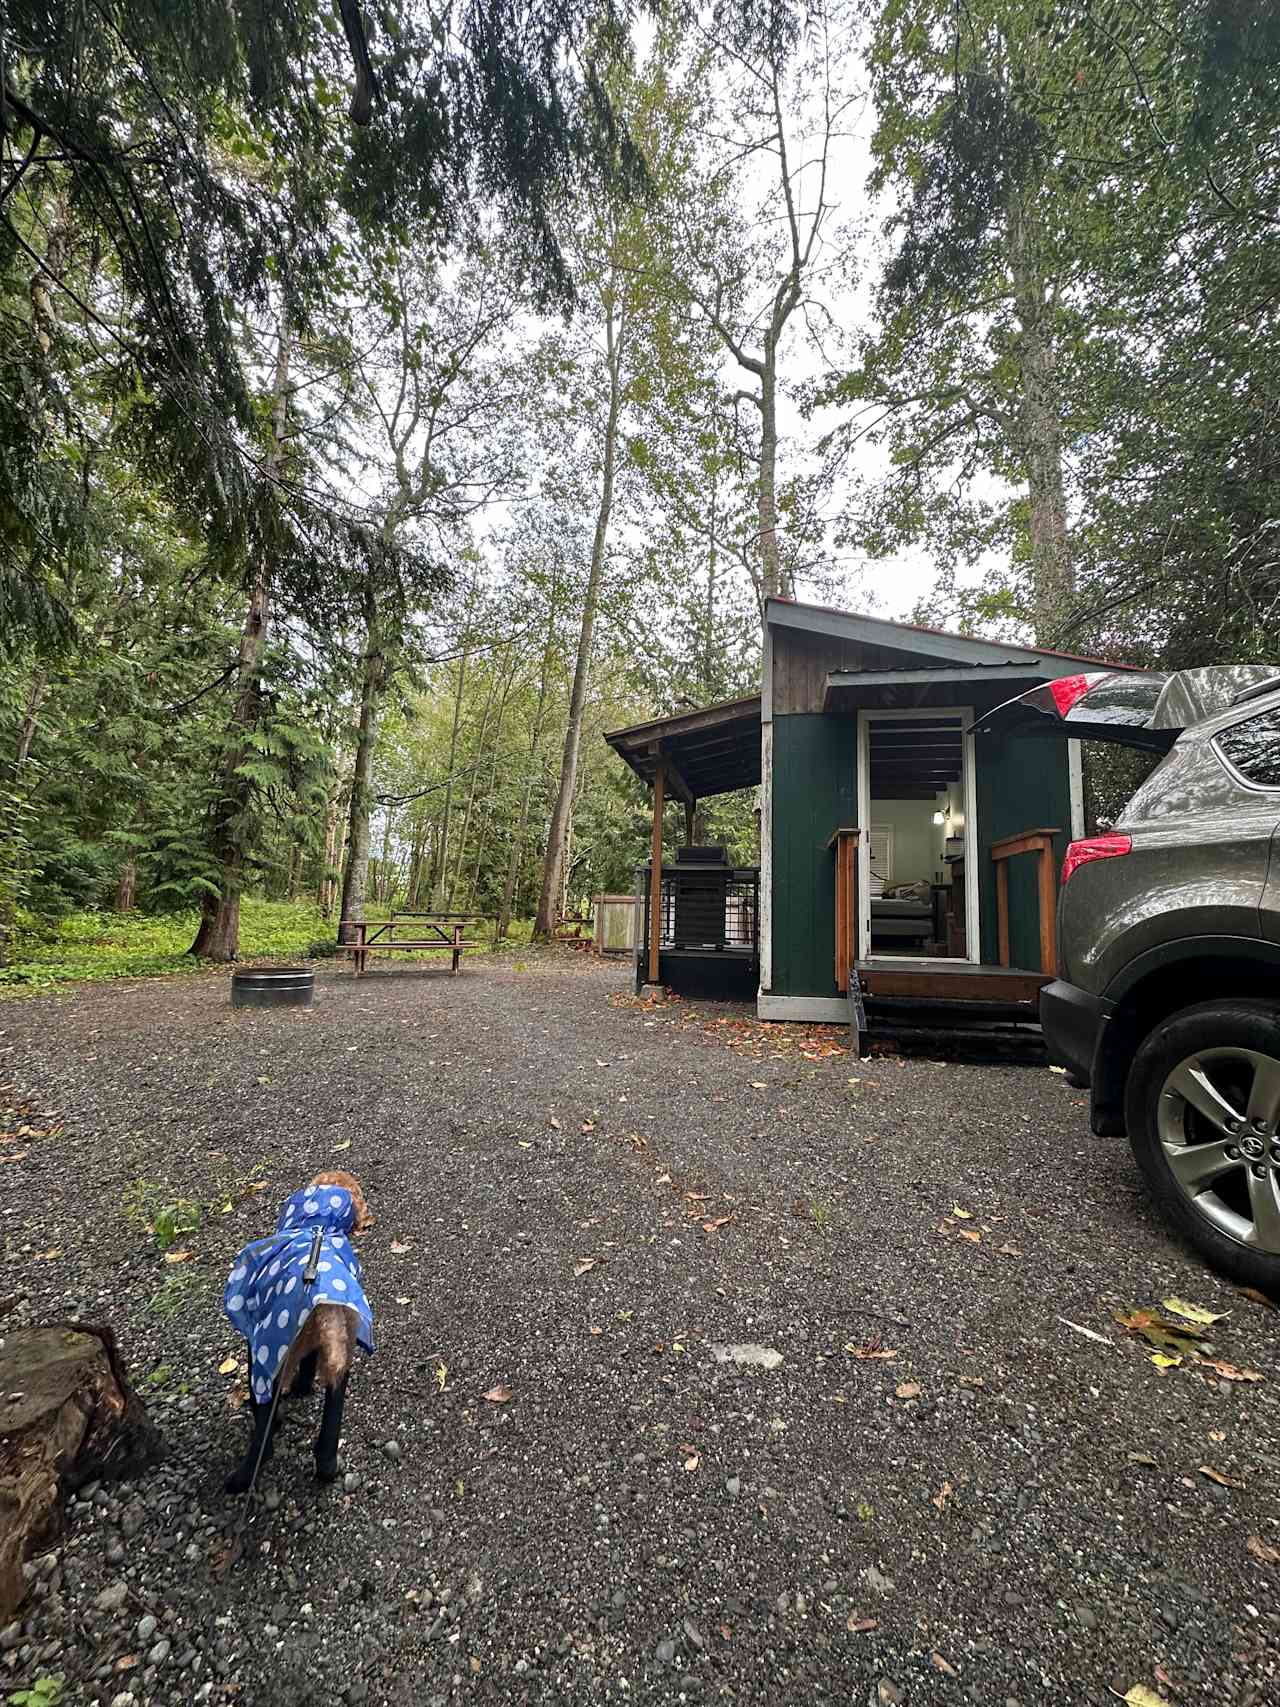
point(362, 937)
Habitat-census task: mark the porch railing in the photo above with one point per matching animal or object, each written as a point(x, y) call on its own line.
point(1040, 843)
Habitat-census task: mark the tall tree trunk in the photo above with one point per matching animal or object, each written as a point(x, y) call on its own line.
point(1040, 432)
point(471, 792)
point(766, 486)
point(27, 732)
point(482, 840)
point(126, 887)
point(355, 875)
point(442, 868)
point(535, 738)
point(561, 815)
point(218, 937)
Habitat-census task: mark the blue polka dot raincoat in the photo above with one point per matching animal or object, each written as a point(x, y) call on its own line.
point(265, 1298)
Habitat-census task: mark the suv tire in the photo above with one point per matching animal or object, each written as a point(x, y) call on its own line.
point(1206, 1081)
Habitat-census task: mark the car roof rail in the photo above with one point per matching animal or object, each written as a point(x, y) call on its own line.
point(1257, 690)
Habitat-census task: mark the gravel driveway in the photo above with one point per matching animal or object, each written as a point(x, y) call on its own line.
point(1005, 1510)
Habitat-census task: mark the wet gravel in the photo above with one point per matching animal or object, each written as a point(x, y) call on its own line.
point(1005, 1511)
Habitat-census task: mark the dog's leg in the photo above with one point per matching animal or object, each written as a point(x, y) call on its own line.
point(260, 1448)
point(330, 1430)
point(304, 1381)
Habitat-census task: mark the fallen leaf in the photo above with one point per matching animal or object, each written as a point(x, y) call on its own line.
point(345, 1145)
point(522, 1144)
point(1193, 1312)
point(1141, 1696)
point(582, 1265)
point(398, 1249)
point(960, 1214)
point(725, 1631)
point(870, 1353)
point(908, 1390)
point(860, 1625)
point(759, 1084)
point(1181, 1337)
point(1163, 1361)
point(498, 1395)
point(178, 1256)
point(14, 1156)
point(596, 1331)
point(973, 1381)
point(1142, 1458)
point(943, 1494)
point(442, 1375)
point(714, 1226)
point(692, 1462)
point(1263, 1551)
point(1216, 1434)
point(588, 1126)
point(228, 1366)
point(1257, 1297)
point(1228, 1371)
point(404, 1300)
point(663, 1179)
point(1217, 1476)
point(942, 1665)
point(1061, 1070)
point(554, 1124)
point(126, 1662)
point(1010, 1251)
point(971, 1234)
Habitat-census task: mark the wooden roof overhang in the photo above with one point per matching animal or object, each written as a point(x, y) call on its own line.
point(710, 751)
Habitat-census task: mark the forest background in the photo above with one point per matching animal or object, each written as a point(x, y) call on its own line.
point(396, 401)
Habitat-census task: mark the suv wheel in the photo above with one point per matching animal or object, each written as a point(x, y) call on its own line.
point(1203, 1111)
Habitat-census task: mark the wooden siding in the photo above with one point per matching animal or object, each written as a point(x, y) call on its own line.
point(801, 662)
point(1020, 784)
point(814, 765)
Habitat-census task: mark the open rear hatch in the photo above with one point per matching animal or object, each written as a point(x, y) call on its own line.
point(1105, 705)
point(1134, 708)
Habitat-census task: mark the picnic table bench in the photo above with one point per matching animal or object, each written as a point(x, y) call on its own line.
point(362, 937)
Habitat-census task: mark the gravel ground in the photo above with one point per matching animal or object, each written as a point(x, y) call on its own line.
point(1006, 1510)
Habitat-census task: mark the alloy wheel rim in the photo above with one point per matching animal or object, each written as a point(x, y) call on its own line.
point(1218, 1122)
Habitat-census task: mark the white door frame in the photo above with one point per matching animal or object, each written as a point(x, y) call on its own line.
point(973, 939)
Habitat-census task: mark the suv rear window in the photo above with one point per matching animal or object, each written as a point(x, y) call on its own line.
point(1253, 748)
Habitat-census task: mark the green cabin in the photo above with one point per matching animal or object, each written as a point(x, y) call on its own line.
point(892, 839)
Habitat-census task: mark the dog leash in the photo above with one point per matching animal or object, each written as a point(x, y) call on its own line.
point(309, 1274)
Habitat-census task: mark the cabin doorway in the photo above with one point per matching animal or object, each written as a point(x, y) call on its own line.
point(917, 877)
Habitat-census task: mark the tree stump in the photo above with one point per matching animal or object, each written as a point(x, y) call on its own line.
point(67, 1416)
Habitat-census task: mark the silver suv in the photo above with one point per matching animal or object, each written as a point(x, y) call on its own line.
point(1168, 1001)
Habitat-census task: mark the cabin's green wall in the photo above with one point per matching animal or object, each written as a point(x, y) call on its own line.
point(1021, 785)
point(814, 775)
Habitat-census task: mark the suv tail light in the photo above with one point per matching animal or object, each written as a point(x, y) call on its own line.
point(1094, 847)
point(1068, 689)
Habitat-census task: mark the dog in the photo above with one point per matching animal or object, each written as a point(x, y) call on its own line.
point(293, 1339)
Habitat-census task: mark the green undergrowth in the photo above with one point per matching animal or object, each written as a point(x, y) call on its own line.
point(89, 947)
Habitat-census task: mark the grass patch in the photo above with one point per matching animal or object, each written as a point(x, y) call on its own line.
point(175, 1290)
point(154, 1209)
point(88, 947)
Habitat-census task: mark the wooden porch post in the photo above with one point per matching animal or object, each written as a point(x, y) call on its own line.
point(690, 808)
point(655, 869)
point(1048, 909)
